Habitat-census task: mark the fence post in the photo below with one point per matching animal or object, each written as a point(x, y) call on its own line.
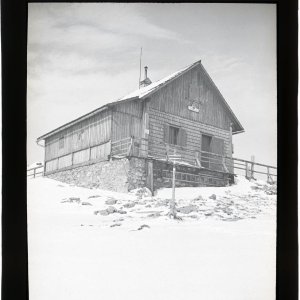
point(130, 146)
point(246, 169)
point(224, 164)
point(270, 179)
point(167, 152)
point(197, 158)
point(252, 167)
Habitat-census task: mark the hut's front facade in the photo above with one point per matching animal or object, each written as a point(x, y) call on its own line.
point(130, 142)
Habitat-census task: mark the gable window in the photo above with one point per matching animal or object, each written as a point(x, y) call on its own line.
point(61, 142)
point(173, 135)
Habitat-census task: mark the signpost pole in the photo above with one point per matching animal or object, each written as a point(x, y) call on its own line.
point(173, 183)
point(172, 204)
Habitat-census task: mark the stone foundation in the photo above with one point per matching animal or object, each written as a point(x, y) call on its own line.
point(123, 175)
point(120, 175)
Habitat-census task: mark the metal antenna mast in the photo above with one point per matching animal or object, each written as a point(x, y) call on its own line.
point(140, 67)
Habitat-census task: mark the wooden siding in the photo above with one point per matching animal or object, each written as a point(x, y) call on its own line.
point(88, 133)
point(81, 156)
point(175, 98)
point(194, 131)
point(100, 151)
point(65, 161)
point(134, 107)
point(125, 125)
point(51, 165)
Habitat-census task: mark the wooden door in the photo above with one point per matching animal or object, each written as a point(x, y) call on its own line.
point(205, 147)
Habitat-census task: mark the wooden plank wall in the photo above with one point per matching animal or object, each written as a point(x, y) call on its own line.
point(64, 161)
point(127, 120)
point(194, 131)
point(89, 132)
point(100, 151)
point(175, 98)
point(90, 154)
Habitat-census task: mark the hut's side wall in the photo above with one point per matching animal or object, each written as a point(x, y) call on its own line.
point(84, 141)
point(127, 120)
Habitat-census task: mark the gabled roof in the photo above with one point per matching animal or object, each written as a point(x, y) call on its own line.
point(146, 91)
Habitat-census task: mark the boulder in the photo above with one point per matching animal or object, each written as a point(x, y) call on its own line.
point(111, 210)
point(86, 203)
point(187, 209)
point(111, 201)
point(129, 204)
point(101, 212)
point(213, 196)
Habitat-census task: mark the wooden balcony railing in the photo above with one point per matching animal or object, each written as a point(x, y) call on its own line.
point(138, 147)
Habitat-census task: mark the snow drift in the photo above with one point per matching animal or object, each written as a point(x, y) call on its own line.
point(96, 244)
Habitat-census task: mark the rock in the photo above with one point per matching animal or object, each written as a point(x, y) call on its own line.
point(86, 203)
point(101, 212)
point(154, 215)
point(94, 196)
point(119, 220)
point(129, 204)
point(143, 192)
point(193, 216)
point(213, 196)
point(148, 205)
point(164, 202)
point(122, 212)
point(116, 224)
point(187, 209)
point(199, 198)
point(143, 226)
point(111, 201)
point(71, 200)
point(111, 210)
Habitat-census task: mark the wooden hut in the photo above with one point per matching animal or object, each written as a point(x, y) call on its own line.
point(183, 114)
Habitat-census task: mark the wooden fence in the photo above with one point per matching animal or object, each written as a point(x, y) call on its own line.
point(139, 148)
point(35, 171)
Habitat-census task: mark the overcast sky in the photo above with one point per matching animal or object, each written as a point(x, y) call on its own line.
point(81, 56)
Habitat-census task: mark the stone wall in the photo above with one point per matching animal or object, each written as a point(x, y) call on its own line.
point(126, 174)
point(119, 175)
point(137, 173)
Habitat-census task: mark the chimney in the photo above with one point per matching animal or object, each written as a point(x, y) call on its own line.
point(146, 81)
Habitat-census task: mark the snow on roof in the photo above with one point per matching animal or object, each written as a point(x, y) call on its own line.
point(140, 93)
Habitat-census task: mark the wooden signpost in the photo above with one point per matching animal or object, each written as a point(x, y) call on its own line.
point(174, 157)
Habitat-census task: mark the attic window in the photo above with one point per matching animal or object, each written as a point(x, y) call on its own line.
point(61, 143)
point(173, 135)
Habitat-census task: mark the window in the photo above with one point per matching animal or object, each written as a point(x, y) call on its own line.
point(173, 135)
point(61, 142)
point(80, 134)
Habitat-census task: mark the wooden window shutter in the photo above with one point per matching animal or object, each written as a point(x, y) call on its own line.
point(166, 133)
point(217, 147)
point(182, 137)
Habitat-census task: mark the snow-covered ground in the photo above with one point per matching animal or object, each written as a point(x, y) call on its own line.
point(96, 244)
